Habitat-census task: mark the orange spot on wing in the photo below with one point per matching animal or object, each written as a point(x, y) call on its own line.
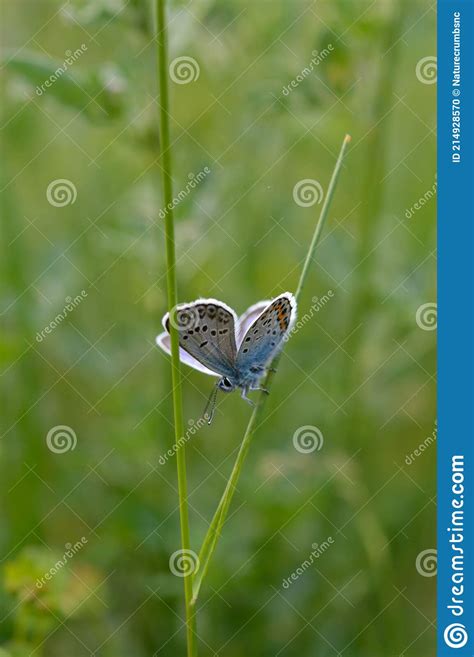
point(282, 319)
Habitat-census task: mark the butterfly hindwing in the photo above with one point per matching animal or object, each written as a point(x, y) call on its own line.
point(206, 330)
point(265, 336)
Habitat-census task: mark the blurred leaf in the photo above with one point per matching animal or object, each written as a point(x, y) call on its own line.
point(98, 95)
point(44, 583)
point(16, 649)
point(103, 12)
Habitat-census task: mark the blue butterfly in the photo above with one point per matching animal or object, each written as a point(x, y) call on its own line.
point(213, 340)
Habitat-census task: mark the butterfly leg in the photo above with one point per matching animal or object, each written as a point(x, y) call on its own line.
point(244, 396)
point(261, 389)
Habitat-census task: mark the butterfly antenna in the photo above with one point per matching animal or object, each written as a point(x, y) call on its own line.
point(211, 405)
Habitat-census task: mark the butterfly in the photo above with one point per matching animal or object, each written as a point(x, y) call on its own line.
point(238, 350)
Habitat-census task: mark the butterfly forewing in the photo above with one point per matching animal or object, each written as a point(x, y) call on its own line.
point(164, 342)
point(206, 330)
point(248, 318)
point(265, 336)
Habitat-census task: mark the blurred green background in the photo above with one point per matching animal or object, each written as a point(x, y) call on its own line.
point(361, 369)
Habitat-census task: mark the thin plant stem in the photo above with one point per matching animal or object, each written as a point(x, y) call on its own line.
point(217, 522)
point(166, 164)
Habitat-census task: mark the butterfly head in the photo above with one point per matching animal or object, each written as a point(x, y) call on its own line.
point(226, 385)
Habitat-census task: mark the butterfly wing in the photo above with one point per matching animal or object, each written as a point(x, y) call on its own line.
point(247, 319)
point(164, 342)
point(206, 331)
point(265, 336)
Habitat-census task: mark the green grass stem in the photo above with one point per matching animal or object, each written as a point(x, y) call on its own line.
point(166, 170)
point(212, 536)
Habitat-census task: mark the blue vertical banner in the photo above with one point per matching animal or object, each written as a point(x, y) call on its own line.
point(455, 328)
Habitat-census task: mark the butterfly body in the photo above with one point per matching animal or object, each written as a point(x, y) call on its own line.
point(214, 340)
point(245, 379)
